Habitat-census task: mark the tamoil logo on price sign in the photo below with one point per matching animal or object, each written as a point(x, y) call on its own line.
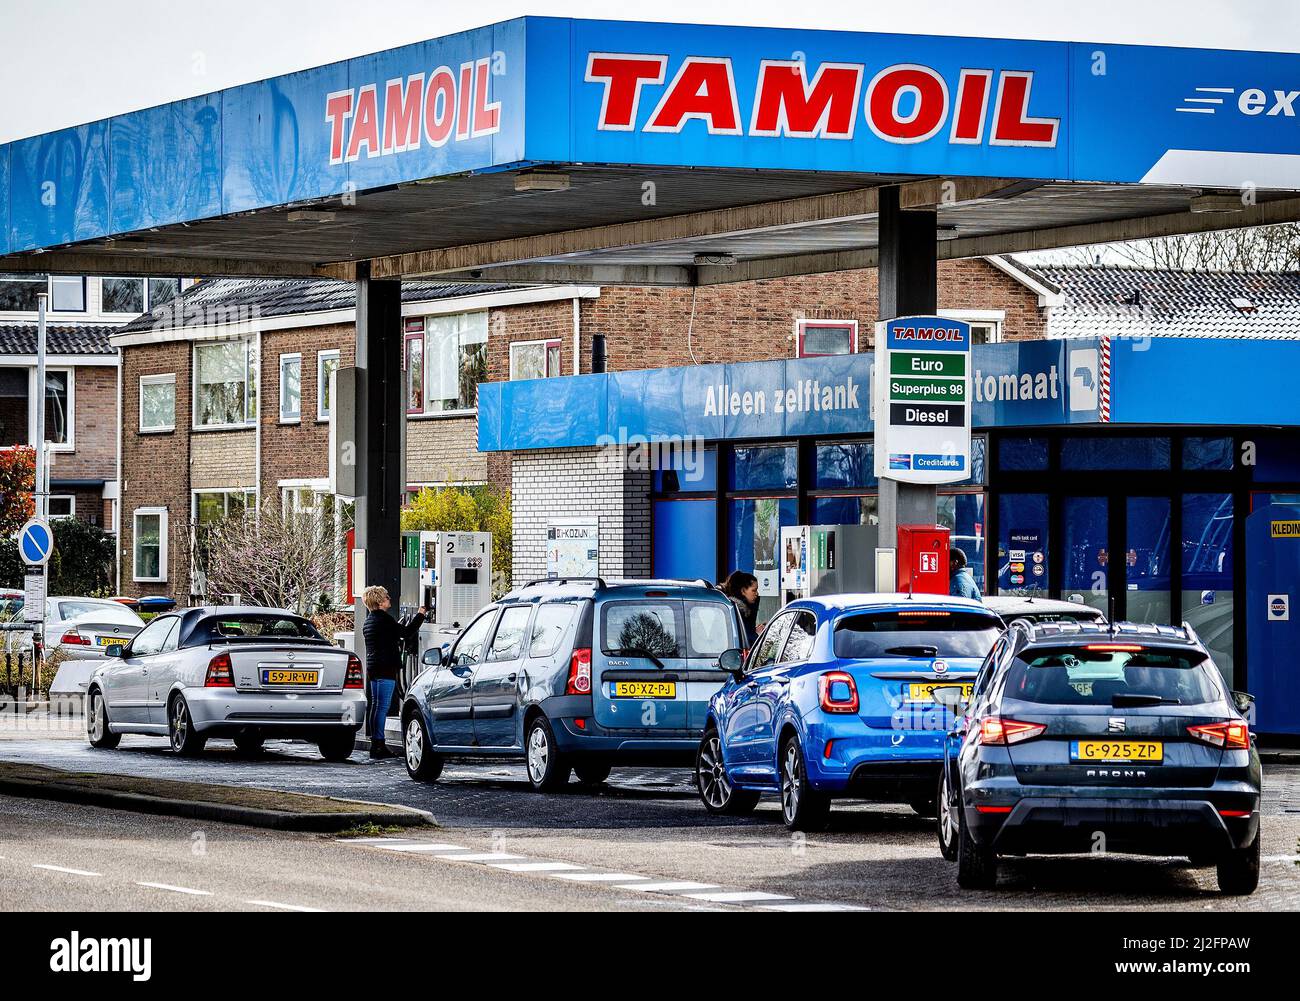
point(923, 385)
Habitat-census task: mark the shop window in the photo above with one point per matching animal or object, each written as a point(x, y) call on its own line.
point(1208, 453)
point(963, 515)
point(327, 363)
point(1086, 551)
point(1277, 459)
point(149, 556)
point(68, 294)
point(753, 541)
point(122, 295)
point(534, 360)
point(1207, 557)
point(1022, 455)
point(225, 384)
point(18, 293)
point(455, 361)
point(979, 445)
point(158, 402)
point(858, 510)
point(1147, 559)
point(686, 468)
point(1089, 454)
point(817, 338)
point(765, 467)
point(685, 539)
point(845, 466)
point(58, 408)
point(1023, 544)
point(290, 388)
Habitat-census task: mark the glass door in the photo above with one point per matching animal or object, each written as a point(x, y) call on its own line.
point(1147, 569)
point(1085, 532)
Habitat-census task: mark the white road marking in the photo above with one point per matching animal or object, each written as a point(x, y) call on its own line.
point(176, 889)
point(814, 907)
point(481, 857)
point(369, 841)
point(534, 866)
point(419, 847)
point(284, 907)
point(738, 896)
point(1280, 858)
point(668, 887)
point(600, 877)
point(70, 872)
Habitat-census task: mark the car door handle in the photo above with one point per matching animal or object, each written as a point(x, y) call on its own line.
point(467, 683)
point(512, 678)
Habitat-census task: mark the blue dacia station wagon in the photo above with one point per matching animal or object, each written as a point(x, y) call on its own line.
point(574, 675)
point(837, 698)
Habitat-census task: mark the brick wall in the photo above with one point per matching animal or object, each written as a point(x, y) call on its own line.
point(95, 427)
point(222, 460)
point(564, 483)
point(444, 450)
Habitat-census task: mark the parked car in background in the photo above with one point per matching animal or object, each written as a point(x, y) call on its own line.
point(244, 673)
point(572, 676)
point(837, 699)
point(83, 628)
point(1014, 608)
point(1081, 736)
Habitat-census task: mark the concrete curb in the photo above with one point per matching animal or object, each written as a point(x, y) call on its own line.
point(224, 813)
point(1288, 757)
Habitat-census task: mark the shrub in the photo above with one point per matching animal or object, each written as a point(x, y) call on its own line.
point(467, 509)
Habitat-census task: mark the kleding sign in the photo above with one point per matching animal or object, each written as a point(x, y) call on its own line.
point(923, 421)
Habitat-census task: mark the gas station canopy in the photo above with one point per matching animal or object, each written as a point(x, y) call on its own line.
point(551, 149)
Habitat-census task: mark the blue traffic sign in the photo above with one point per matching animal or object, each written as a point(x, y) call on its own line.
point(36, 543)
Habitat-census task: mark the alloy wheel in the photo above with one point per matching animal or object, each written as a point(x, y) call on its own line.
point(180, 724)
point(714, 786)
point(947, 816)
point(96, 717)
point(414, 745)
point(539, 754)
point(790, 782)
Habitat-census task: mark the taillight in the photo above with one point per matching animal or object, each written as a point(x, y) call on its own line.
point(1231, 735)
point(74, 638)
point(579, 672)
point(355, 678)
point(998, 730)
point(838, 692)
point(220, 674)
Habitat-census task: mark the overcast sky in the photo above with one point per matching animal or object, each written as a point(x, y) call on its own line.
point(71, 61)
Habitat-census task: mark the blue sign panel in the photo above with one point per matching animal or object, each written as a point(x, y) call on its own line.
point(36, 543)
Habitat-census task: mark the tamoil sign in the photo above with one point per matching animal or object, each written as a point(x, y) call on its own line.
point(923, 393)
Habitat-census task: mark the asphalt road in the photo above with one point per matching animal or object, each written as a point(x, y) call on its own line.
point(578, 849)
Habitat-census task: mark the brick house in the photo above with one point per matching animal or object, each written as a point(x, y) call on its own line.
point(222, 401)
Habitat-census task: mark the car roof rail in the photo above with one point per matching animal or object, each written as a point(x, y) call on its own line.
point(597, 582)
point(1192, 635)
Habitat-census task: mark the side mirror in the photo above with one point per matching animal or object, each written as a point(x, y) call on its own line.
point(733, 662)
point(116, 650)
point(951, 698)
point(434, 657)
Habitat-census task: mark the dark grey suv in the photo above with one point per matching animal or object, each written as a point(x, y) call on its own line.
point(1090, 738)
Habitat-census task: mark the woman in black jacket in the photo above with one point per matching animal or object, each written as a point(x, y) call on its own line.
point(742, 588)
point(384, 638)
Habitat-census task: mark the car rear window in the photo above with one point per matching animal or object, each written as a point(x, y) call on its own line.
point(635, 628)
point(914, 633)
point(255, 626)
point(710, 629)
point(1080, 676)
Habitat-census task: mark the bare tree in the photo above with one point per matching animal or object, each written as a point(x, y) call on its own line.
point(279, 560)
point(1252, 248)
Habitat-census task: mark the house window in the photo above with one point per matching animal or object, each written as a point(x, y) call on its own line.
point(327, 363)
point(210, 508)
point(122, 295)
point(18, 292)
point(455, 361)
point(225, 390)
point(158, 402)
point(290, 388)
point(985, 333)
point(68, 294)
point(58, 408)
point(162, 291)
point(534, 360)
point(62, 508)
point(816, 338)
point(150, 544)
point(414, 366)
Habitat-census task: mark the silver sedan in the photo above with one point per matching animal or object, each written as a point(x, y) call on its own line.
point(244, 673)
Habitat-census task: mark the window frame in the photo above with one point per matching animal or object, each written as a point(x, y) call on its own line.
point(290, 417)
point(413, 336)
point(32, 279)
point(149, 512)
point(322, 384)
point(471, 410)
point(71, 444)
point(547, 343)
point(995, 318)
point(157, 379)
point(801, 326)
point(249, 345)
point(72, 507)
point(85, 295)
point(144, 294)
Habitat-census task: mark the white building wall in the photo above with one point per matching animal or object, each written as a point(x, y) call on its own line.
point(580, 482)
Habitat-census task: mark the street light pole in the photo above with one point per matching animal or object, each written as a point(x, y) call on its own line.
point(42, 484)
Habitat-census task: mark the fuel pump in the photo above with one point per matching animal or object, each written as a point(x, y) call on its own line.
point(450, 575)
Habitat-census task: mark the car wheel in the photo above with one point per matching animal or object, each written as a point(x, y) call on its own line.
point(947, 820)
point(977, 868)
point(186, 741)
point(547, 769)
point(802, 807)
point(249, 743)
point(716, 791)
point(1239, 870)
point(337, 746)
point(97, 724)
point(422, 764)
point(591, 773)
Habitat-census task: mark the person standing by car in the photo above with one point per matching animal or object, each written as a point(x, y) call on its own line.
point(384, 638)
point(961, 582)
point(742, 588)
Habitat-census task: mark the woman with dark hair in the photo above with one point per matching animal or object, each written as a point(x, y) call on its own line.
point(742, 588)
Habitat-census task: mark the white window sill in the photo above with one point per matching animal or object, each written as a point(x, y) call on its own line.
point(290, 420)
point(158, 430)
point(200, 429)
point(442, 415)
point(149, 580)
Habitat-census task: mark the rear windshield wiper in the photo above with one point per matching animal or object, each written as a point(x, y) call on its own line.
point(636, 651)
point(914, 651)
point(1136, 699)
